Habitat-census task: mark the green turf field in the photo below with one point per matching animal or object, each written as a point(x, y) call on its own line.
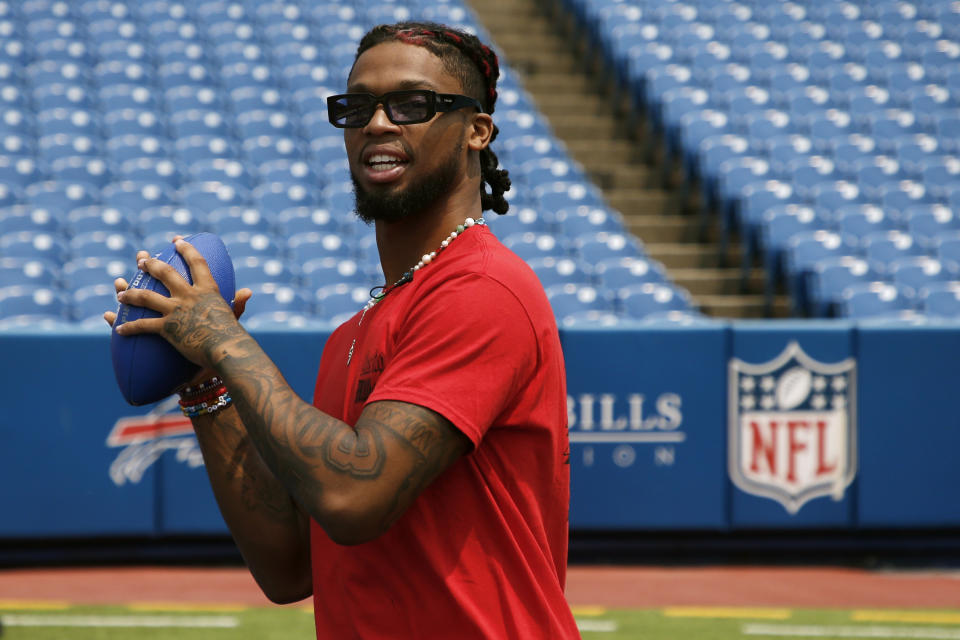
point(49, 621)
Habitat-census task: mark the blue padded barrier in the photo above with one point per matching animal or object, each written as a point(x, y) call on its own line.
point(672, 428)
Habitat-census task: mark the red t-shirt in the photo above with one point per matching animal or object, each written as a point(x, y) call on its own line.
point(482, 552)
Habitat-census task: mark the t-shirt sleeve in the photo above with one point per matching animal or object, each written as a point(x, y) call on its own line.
point(465, 350)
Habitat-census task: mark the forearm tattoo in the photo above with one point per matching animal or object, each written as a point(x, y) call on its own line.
point(310, 452)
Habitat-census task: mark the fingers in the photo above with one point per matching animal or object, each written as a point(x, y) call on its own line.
point(143, 325)
point(240, 301)
point(110, 317)
point(147, 299)
point(199, 269)
point(120, 285)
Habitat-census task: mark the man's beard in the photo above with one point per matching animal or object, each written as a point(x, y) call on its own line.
point(419, 196)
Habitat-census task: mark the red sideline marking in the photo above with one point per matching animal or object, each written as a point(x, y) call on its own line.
point(140, 429)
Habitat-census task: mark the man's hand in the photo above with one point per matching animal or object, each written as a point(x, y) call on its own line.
point(195, 318)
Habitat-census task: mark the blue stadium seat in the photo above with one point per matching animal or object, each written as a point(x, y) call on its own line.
point(617, 273)
point(308, 246)
point(320, 272)
point(137, 98)
point(27, 272)
point(274, 197)
point(62, 95)
point(290, 171)
point(131, 147)
point(270, 297)
point(243, 244)
point(291, 222)
point(160, 224)
point(947, 247)
point(171, 75)
point(831, 276)
point(530, 245)
point(186, 98)
point(104, 244)
point(28, 218)
point(234, 219)
point(199, 122)
point(253, 271)
point(101, 218)
point(876, 299)
point(920, 272)
point(151, 170)
point(248, 99)
point(557, 271)
point(584, 220)
point(887, 246)
point(29, 306)
point(928, 222)
point(204, 197)
point(88, 304)
point(64, 196)
point(339, 301)
point(594, 247)
point(21, 171)
point(570, 298)
point(89, 271)
point(137, 196)
point(860, 220)
point(803, 252)
point(941, 175)
point(640, 301)
point(941, 300)
point(222, 170)
point(263, 149)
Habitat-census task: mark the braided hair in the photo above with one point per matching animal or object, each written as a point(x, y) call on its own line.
point(476, 66)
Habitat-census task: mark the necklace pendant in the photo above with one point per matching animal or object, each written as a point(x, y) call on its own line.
point(350, 353)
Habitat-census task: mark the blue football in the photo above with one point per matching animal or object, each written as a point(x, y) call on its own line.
point(147, 367)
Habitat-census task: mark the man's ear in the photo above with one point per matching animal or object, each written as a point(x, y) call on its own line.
point(480, 132)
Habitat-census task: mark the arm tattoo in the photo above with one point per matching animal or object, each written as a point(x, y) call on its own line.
point(310, 452)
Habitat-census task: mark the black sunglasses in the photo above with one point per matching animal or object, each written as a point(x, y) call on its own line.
point(353, 110)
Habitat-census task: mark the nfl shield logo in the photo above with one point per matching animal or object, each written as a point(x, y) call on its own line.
point(792, 431)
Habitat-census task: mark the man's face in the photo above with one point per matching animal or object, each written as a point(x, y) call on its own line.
point(401, 170)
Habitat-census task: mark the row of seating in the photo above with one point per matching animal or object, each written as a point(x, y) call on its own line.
point(825, 123)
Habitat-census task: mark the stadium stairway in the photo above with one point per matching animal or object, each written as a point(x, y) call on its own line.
point(571, 89)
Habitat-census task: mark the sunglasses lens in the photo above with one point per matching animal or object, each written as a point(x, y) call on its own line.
point(410, 107)
point(351, 110)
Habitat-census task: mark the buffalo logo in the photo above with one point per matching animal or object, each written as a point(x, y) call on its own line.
point(792, 430)
point(145, 438)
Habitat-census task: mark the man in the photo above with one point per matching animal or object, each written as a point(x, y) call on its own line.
point(425, 493)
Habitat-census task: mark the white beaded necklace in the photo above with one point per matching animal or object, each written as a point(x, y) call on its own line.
point(408, 275)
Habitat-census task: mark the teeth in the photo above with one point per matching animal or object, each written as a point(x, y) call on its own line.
point(381, 161)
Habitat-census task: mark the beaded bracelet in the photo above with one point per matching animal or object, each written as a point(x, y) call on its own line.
point(206, 408)
point(202, 387)
point(207, 396)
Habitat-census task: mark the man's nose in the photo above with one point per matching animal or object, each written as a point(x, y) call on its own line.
point(379, 122)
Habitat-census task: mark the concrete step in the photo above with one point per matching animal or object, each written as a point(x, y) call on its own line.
point(583, 126)
point(557, 83)
point(619, 175)
point(752, 306)
point(589, 152)
point(689, 255)
point(657, 228)
point(572, 104)
point(638, 202)
point(717, 281)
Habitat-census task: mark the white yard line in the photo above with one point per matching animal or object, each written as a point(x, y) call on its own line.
point(598, 626)
point(185, 622)
point(822, 631)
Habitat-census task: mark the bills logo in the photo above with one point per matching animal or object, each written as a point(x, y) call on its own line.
point(145, 438)
point(792, 429)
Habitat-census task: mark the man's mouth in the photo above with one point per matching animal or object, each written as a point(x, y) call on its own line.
point(384, 162)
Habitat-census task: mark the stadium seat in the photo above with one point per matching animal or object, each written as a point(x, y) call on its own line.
point(28, 305)
point(291, 222)
point(569, 298)
point(88, 303)
point(639, 301)
point(307, 246)
point(271, 297)
point(60, 195)
point(885, 247)
point(151, 170)
point(831, 276)
point(89, 271)
point(28, 218)
point(235, 219)
point(204, 197)
point(330, 270)
point(101, 218)
point(928, 222)
point(919, 272)
point(244, 244)
point(85, 169)
point(104, 244)
point(557, 271)
point(529, 245)
point(274, 197)
point(29, 273)
point(137, 196)
point(941, 300)
point(338, 301)
point(876, 299)
point(594, 247)
point(585, 220)
point(617, 273)
point(253, 271)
